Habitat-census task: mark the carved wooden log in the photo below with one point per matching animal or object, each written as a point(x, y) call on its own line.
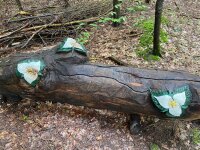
point(68, 78)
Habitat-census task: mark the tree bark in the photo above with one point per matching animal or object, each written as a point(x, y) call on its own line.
point(158, 15)
point(68, 78)
point(116, 12)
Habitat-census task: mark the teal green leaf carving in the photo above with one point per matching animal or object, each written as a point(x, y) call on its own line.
point(174, 103)
point(70, 44)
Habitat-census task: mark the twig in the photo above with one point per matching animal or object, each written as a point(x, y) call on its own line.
point(42, 40)
point(176, 5)
point(62, 24)
point(196, 56)
point(43, 27)
point(116, 61)
point(10, 33)
point(190, 16)
point(32, 37)
point(135, 35)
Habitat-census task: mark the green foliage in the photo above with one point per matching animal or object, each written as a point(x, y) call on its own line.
point(84, 25)
point(196, 136)
point(146, 39)
point(139, 7)
point(146, 55)
point(81, 25)
point(113, 20)
point(165, 20)
point(94, 25)
point(153, 57)
point(84, 37)
point(25, 118)
point(154, 146)
point(119, 4)
point(110, 17)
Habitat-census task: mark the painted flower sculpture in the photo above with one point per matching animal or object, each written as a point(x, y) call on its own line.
point(172, 103)
point(70, 44)
point(30, 70)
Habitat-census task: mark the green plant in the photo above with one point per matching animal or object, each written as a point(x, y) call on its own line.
point(94, 25)
point(114, 16)
point(81, 25)
point(146, 56)
point(154, 146)
point(113, 20)
point(24, 118)
point(196, 136)
point(146, 39)
point(139, 7)
point(84, 37)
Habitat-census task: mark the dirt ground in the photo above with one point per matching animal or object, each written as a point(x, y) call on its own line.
point(46, 126)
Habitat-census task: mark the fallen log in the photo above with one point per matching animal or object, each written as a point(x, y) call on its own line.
point(68, 78)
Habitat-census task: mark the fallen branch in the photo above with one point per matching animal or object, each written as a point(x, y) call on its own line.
point(118, 62)
point(32, 37)
point(90, 20)
point(43, 27)
point(11, 33)
point(190, 16)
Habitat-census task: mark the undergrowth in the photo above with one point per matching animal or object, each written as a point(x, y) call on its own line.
point(110, 18)
point(154, 146)
point(138, 7)
point(83, 37)
point(146, 39)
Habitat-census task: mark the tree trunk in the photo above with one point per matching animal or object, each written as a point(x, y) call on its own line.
point(19, 5)
point(158, 15)
point(68, 78)
point(116, 12)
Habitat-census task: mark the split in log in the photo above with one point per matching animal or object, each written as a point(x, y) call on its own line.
point(68, 78)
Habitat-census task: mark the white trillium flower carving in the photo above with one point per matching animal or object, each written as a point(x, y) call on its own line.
point(172, 103)
point(72, 43)
point(29, 70)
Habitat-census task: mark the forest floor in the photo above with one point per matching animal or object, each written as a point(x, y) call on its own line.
point(46, 126)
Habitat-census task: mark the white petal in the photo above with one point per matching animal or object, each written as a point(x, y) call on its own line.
point(30, 78)
point(35, 65)
point(72, 43)
point(164, 100)
point(175, 111)
point(68, 43)
point(71, 40)
point(180, 98)
point(22, 67)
